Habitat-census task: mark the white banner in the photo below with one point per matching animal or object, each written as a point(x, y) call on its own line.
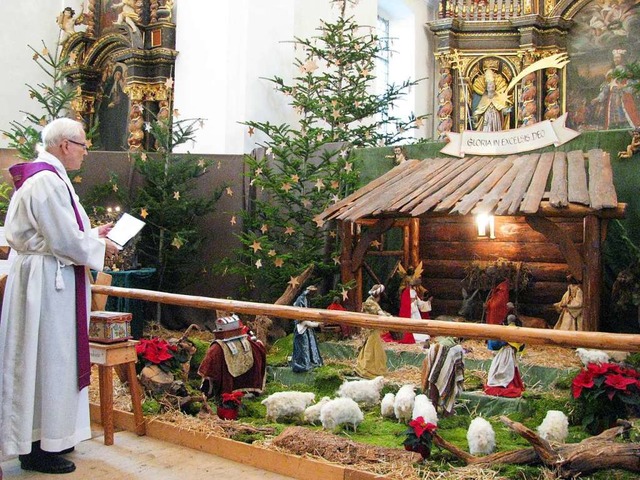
point(507, 142)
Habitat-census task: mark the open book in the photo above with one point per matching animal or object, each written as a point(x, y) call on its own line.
point(124, 230)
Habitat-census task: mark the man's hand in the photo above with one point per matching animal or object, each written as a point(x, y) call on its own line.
point(103, 230)
point(111, 249)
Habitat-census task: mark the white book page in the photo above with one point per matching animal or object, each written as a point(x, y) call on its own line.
point(125, 229)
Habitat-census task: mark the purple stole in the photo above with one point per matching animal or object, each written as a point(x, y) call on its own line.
point(20, 172)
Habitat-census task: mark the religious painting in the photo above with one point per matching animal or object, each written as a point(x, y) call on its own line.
point(604, 39)
point(108, 13)
point(113, 108)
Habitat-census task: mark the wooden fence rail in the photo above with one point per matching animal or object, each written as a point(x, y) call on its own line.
point(532, 336)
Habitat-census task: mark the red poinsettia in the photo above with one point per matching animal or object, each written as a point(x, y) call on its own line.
point(232, 400)
point(155, 351)
point(419, 436)
point(607, 391)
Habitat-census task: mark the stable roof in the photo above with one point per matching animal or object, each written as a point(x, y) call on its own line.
point(513, 185)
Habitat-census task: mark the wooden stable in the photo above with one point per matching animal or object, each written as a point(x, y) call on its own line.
point(551, 210)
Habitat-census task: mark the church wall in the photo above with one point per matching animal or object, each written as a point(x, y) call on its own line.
point(226, 49)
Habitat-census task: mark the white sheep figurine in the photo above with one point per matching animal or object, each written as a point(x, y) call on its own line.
point(282, 405)
point(403, 405)
point(588, 356)
point(312, 413)
point(554, 427)
point(386, 406)
point(340, 411)
point(422, 407)
point(363, 391)
point(481, 437)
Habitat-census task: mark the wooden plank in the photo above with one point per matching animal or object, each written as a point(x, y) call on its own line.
point(345, 202)
point(418, 182)
point(559, 192)
point(510, 203)
point(390, 198)
point(580, 211)
point(491, 199)
point(436, 269)
point(468, 186)
point(455, 168)
point(484, 249)
point(451, 288)
point(450, 186)
point(363, 205)
point(470, 200)
point(602, 192)
point(577, 178)
point(538, 185)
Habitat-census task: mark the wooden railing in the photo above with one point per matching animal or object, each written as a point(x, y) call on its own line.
point(533, 336)
point(471, 10)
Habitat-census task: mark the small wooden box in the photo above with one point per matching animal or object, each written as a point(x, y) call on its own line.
point(109, 327)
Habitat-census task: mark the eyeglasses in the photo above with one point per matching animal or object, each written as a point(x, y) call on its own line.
point(83, 145)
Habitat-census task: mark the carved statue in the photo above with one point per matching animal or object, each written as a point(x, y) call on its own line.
point(633, 147)
point(127, 15)
point(67, 23)
point(492, 112)
point(399, 155)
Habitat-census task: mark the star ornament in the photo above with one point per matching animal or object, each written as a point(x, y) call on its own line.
point(278, 262)
point(310, 65)
point(345, 294)
point(272, 253)
point(177, 242)
point(168, 83)
point(233, 220)
point(264, 228)
point(77, 179)
point(176, 195)
point(143, 157)
point(176, 112)
point(229, 191)
point(256, 246)
point(295, 178)
point(319, 184)
point(419, 122)
point(258, 263)
point(286, 187)
point(319, 222)
point(293, 282)
point(114, 187)
point(144, 213)
point(251, 131)
point(289, 231)
point(348, 167)
point(336, 260)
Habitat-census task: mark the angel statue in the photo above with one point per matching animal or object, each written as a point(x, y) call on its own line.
point(127, 15)
point(67, 23)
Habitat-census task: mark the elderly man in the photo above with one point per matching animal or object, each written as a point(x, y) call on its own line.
point(44, 347)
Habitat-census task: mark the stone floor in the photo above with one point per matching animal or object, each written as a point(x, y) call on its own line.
point(141, 458)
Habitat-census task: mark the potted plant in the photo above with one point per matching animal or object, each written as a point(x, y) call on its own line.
point(419, 437)
point(606, 392)
point(229, 405)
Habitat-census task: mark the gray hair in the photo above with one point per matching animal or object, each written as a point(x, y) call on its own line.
point(376, 290)
point(61, 129)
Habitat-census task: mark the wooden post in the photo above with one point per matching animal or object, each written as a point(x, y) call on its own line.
point(345, 230)
point(592, 278)
point(414, 241)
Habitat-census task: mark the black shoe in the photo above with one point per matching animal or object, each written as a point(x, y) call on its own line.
point(46, 462)
point(65, 451)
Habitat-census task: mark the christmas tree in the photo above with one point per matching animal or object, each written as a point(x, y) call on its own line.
point(305, 168)
point(55, 98)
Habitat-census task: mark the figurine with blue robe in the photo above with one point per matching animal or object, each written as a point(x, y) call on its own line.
point(306, 355)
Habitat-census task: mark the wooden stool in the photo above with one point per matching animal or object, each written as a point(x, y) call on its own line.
point(106, 357)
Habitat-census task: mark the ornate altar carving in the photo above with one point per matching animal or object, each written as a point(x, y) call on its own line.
point(122, 63)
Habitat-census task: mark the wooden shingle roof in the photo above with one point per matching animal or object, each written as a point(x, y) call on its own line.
point(514, 185)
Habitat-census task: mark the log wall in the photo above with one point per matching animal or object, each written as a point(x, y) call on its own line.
point(448, 245)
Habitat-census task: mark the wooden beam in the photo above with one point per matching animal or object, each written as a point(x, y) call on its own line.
point(414, 242)
point(592, 281)
point(558, 236)
point(365, 240)
point(602, 192)
point(346, 271)
point(510, 203)
point(605, 341)
point(536, 190)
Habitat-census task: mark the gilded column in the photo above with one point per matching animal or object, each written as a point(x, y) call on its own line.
point(445, 99)
point(552, 94)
